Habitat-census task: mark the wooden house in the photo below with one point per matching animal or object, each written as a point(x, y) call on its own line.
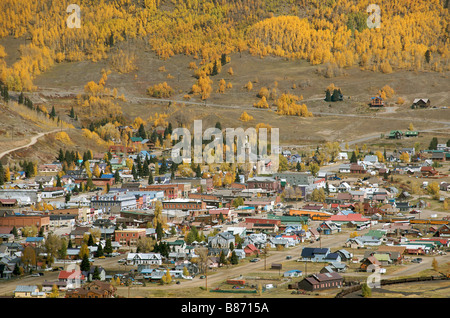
point(321, 281)
point(421, 103)
point(376, 101)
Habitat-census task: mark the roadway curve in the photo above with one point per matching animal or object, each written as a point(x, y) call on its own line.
point(34, 139)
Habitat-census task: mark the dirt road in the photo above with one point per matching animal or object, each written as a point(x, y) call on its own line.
point(33, 140)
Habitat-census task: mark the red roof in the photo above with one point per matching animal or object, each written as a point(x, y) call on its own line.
point(70, 274)
point(357, 217)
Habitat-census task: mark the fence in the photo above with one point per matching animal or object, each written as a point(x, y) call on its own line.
point(355, 288)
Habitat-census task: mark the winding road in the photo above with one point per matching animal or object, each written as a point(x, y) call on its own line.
point(33, 140)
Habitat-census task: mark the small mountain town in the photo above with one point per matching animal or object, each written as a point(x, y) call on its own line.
point(232, 156)
point(130, 223)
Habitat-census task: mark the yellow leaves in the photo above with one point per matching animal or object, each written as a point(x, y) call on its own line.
point(287, 105)
point(138, 121)
point(249, 86)
point(2, 52)
point(386, 67)
point(400, 101)
point(63, 137)
point(262, 103)
point(124, 61)
point(222, 86)
point(161, 90)
point(158, 120)
point(202, 87)
point(245, 117)
point(386, 92)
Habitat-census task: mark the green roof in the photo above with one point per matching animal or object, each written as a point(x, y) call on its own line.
point(382, 257)
point(376, 233)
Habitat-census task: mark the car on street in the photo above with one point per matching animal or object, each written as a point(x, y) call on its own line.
point(254, 260)
point(417, 260)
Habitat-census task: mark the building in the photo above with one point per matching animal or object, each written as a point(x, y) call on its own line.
point(26, 291)
point(295, 178)
point(171, 190)
point(421, 103)
point(376, 102)
point(53, 192)
point(144, 259)
point(265, 183)
point(94, 289)
point(113, 203)
point(23, 220)
point(321, 281)
point(129, 237)
point(184, 204)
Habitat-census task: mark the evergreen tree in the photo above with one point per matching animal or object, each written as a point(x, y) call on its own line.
point(21, 98)
point(234, 260)
point(85, 265)
point(215, 69)
point(100, 250)
point(90, 240)
point(353, 158)
point(53, 112)
point(61, 155)
point(433, 144)
point(328, 96)
point(223, 59)
point(16, 270)
point(108, 246)
point(134, 173)
point(159, 231)
point(96, 274)
point(150, 178)
point(428, 56)
point(141, 132)
point(58, 181)
point(2, 175)
point(116, 176)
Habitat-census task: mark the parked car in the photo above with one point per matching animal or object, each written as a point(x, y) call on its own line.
point(417, 260)
point(254, 260)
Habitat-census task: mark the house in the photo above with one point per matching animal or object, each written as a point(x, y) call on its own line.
point(421, 103)
point(222, 240)
point(337, 267)
point(376, 101)
point(356, 168)
point(73, 278)
point(94, 289)
point(345, 255)
point(328, 227)
point(28, 291)
point(362, 241)
point(144, 259)
point(293, 273)
point(321, 281)
point(395, 134)
point(428, 171)
point(443, 231)
point(369, 262)
point(251, 250)
point(314, 254)
point(93, 269)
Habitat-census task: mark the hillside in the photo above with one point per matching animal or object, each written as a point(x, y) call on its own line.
point(199, 60)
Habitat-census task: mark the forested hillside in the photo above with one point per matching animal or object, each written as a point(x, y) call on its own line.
point(412, 33)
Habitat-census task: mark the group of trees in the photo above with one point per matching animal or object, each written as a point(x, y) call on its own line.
point(411, 34)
